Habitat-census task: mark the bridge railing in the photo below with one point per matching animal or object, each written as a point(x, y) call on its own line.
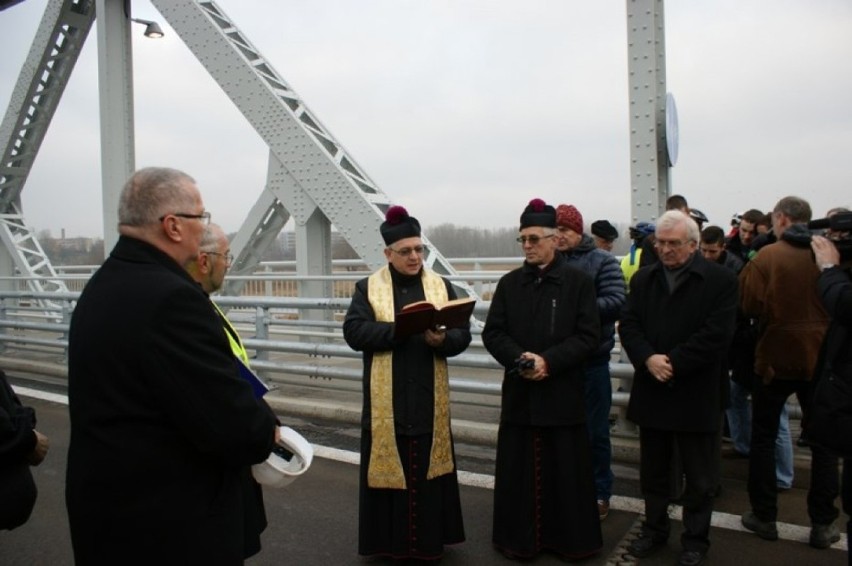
point(279, 278)
point(287, 349)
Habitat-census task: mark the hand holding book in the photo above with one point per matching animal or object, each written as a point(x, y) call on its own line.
point(418, 317)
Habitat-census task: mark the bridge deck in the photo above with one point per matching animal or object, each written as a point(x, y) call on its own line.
point(314, 522)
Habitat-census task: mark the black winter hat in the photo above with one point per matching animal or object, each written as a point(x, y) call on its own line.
point(538, 213)
point(398, 225)
point(603, 229)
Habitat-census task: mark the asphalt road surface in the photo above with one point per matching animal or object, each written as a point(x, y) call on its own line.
point(314, 520)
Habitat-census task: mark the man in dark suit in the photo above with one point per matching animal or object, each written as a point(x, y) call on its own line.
point(676, 330)
point(161, 422)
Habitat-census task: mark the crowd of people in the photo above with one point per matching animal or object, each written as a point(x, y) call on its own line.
point(710, 321)
point(721, 329)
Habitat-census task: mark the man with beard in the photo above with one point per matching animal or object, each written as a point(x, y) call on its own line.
point(208, 269)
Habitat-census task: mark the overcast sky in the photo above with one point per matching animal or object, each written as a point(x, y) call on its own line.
point(464, 110)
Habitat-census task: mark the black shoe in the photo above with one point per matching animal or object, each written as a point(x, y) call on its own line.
point(644, 546)
point(766, 530)
point(690, 558)
point(823, 536)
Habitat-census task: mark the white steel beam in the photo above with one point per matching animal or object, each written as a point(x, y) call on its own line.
point(319, 165)
point(41, 82)
point(313, 257)
point(115, 78)
point(262, 225)
point(649, 164)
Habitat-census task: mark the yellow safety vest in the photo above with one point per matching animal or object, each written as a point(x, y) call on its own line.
point(233, 337)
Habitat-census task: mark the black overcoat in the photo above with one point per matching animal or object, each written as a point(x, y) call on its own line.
point(553, 314)
point(694, 327)
point(161, 423)
point(18, 490)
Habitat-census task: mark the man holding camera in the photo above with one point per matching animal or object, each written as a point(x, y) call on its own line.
point(830, 424)
point(779, 288)
point(542, 325)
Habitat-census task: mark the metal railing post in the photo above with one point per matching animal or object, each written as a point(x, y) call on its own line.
point(3, 316)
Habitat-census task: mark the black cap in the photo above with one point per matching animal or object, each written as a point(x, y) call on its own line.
point(538, 213)
point(398, 225)
point(603, 229)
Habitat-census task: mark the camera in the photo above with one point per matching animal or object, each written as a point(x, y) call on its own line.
point(839, 231)
point(521, 364)
point(840, 222)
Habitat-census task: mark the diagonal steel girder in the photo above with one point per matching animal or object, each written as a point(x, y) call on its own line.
point(312, 159)
point(41, 82)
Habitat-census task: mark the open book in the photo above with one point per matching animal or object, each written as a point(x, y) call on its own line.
point(422, 315)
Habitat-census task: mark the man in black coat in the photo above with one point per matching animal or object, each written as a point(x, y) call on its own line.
point(162, 424)
point(21, 446)
point(676, 330)
point(829, 422)
point(208, 269)
point(542, 325)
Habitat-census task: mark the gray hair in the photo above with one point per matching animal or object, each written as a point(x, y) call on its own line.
point(673, 218)
point(210, 240)
point(152, 192)
point(796, 209)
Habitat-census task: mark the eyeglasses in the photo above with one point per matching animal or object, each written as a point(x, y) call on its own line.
point(673, 244)
point(405, 252)
point(229, 257)
point(204, 216)
point(533, 240)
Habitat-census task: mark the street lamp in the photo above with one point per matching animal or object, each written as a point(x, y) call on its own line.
point(152, 29)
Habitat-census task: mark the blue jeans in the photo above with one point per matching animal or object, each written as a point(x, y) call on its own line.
point(739, 418)
point(598, 395)
point(739, 423)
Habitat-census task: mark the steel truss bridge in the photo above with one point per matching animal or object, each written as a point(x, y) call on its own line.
point(310, 176)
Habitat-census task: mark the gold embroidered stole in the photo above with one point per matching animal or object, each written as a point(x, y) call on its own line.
point(385, 467)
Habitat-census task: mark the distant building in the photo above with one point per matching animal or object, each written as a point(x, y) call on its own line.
point(76, 245)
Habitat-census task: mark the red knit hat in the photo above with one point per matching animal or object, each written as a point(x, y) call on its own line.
point(567, 215)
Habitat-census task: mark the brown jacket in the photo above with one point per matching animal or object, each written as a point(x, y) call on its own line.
point(779, 288)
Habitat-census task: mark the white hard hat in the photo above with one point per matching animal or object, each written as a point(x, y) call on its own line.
point(278, 471)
